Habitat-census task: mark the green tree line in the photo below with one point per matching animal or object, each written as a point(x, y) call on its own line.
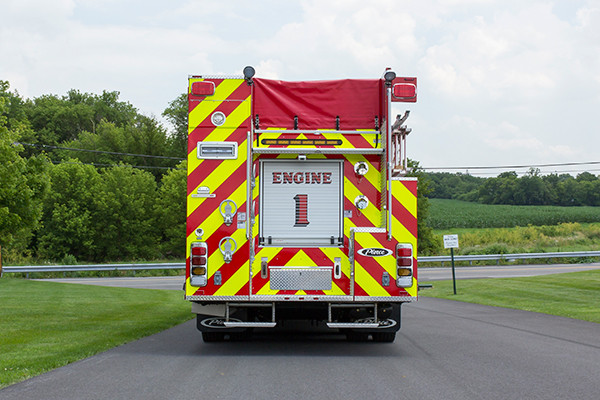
point(508, 188)
point(73, 185)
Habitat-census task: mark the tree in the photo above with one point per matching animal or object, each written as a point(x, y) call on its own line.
point(60, 119)
point(177, 114)
point(69, 212)
point(24, 183)
point(171, 211)
point(108, 144)
point(125, 219)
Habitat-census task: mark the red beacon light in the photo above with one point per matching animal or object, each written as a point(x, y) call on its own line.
point(203, 88)
point(404, 90)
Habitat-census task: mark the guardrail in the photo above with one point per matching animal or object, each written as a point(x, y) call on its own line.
point(508, 257)
point(90, 267)
point(424, 259)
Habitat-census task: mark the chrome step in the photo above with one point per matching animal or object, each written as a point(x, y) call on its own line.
point(354, 325)
point(238, 324)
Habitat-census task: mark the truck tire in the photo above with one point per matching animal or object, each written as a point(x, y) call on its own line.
point(384, 337)
point(211, 337)
point(354, 336)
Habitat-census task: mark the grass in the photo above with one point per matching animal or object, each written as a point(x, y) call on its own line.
point(445, 214)
point(45, 325)
point(573, 295)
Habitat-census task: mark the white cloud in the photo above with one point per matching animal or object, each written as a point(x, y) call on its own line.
point(498, 80)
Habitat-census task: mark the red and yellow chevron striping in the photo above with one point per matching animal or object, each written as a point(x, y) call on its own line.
point(220, 215)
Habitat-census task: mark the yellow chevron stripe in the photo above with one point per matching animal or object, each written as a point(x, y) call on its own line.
point(368, 283)
point(237, 281)
point(300, 259)
point(372, 213)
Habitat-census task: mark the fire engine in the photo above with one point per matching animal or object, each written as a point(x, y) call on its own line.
point(298, 205)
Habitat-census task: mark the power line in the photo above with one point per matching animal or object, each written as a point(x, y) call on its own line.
point(113, 165)
point(515, 166)
point(98, 151)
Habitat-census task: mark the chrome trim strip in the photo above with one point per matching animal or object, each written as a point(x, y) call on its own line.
point(301, 298)
point(395, 299)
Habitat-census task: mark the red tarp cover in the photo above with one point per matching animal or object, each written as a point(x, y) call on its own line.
point(317, 103)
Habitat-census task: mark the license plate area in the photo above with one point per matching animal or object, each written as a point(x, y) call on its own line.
point(287, 278)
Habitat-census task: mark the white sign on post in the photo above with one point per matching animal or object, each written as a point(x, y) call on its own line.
point(451, 241)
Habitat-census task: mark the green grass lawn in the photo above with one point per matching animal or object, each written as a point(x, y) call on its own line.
point(45, 325)
point(572, 295)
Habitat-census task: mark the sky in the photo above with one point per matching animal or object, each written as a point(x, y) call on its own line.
point(500, 82)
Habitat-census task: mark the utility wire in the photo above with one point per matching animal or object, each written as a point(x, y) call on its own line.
point(113, 165)
point(516, 166)
point(98, 151)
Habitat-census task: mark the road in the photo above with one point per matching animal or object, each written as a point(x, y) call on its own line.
point(445, 350)
point(426, 274)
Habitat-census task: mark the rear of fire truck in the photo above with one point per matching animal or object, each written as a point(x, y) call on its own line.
point(298, 206)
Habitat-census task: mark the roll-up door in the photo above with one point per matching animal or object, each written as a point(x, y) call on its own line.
point(301, 203)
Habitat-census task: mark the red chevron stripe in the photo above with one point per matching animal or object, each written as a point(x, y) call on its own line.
point(240, 257)
point(358, 218)
point(374, 269)
point(359, 141)
point(411, 186)
point(245, 290)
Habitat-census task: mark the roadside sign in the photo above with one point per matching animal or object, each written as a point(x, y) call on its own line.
point(451, 241)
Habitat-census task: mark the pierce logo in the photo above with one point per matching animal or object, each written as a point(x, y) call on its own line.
point(375, 252)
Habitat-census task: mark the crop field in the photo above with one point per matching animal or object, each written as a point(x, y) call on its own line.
point(445, 214)
point(504, 229)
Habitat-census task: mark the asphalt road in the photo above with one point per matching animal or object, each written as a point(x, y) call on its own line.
point(445, 350)
point(425, 275)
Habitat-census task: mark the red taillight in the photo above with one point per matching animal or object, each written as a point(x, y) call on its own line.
point(403, 252)
point(404, 262)
point(198, 260)
point(404, 265)
point(203, 88)
point(198, 251)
